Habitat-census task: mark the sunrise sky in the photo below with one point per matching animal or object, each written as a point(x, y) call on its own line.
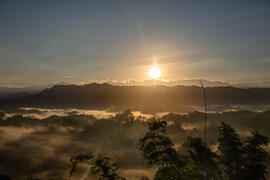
point(44, 42)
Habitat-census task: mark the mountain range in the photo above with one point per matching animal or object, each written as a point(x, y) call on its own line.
point(106, 96)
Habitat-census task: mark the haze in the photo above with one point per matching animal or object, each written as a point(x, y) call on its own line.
point(45, 42)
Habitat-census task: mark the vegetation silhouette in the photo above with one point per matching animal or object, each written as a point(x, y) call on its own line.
point(99, 165)
point(255, 156)
point(158, 150)
point(235, 159)
point(231, 153)
point(200, 158)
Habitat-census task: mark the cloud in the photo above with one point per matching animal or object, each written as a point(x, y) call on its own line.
point(43, 148)
point(182, 81)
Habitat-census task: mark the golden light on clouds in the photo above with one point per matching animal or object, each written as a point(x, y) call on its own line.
point(154, 73)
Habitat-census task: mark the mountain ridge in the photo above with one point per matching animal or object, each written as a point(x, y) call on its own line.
point(105, 95)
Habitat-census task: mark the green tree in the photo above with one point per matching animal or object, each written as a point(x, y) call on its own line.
point(231, 153)
point(255, 156)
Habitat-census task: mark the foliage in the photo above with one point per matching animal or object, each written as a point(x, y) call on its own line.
point(157, 148)
point(202, 159)
point(231, 153)
point(255, 156)
point(170, 173)
point(81, 158)
point(159, 151)
point(99, 165)
point(234, 160)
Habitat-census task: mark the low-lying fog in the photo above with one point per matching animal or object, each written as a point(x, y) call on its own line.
point(40, 142)
point(43, 113)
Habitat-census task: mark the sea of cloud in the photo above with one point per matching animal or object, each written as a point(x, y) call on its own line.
point(40, 142)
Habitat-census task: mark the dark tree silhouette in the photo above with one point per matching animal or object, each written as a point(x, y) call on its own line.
point(202, 159)
point(255, 156)
point(231, 153)
point(158, 150)
point(81, 158)
point(235, 160)
point(99, 165)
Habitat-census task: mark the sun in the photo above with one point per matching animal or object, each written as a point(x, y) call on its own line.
point(154, 73)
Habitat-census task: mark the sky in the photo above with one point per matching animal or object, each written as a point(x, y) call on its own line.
point(46, 42)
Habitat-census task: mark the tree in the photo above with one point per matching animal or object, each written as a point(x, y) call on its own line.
point(158, 150)
point(202, 158)
point(255, 156)
point(234, 161)
point(231, 153)
point(99, 165)
point(174, 173)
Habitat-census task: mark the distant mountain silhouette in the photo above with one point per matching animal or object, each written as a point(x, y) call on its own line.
point(13, 95)
point(153, 97)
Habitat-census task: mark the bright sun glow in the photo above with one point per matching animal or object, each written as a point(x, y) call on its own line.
point(154, 73)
